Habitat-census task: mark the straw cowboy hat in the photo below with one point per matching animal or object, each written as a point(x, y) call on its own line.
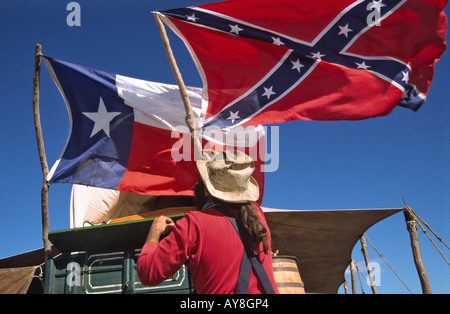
point(228, 177)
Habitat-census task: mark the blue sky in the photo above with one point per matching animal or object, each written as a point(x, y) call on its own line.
point(322, 165)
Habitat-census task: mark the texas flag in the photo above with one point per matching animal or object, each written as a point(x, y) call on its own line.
point(130, 135)
point(270, 61)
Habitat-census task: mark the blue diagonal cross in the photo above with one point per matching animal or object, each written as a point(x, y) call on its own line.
point(302, 57)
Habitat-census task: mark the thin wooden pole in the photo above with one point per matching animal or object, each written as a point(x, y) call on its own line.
point(352, 272)
point(190, 120)
point(412, 229)
point(41, 150)
point(345, 287)
point(366, 259)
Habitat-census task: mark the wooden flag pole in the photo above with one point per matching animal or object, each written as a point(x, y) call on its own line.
point(190, 120)
point(41, 150)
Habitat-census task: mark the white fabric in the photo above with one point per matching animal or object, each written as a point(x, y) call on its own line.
point(157, 104)
point(93, 206)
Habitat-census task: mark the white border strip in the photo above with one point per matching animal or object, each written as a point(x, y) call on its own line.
point(57, 83)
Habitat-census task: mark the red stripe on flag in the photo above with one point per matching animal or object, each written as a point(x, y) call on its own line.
point(151, 168)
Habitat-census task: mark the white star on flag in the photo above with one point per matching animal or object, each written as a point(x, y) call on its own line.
point(233, 116)
point(192, 18)
point(235, 29)
point(405, 77)
point(277, 41)
point(297, 65)
point(317, 55)
point(363, 65)
point(344, 30)
point(102, 119)
point(377, 5)
point(268, 92)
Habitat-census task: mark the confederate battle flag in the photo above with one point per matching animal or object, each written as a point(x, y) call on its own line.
point(267, 61)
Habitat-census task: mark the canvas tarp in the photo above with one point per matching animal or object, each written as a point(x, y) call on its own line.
point(321, 240)
point(20, 273)
point(16, 280)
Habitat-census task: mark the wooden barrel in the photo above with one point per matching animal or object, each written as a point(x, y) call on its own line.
point(287, 275)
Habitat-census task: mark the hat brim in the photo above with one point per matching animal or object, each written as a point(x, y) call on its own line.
point(251, 194)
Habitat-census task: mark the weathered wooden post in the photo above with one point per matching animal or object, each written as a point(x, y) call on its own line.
point(41, 150)
point(352, 271)
point(412, 229)
point(366, 259)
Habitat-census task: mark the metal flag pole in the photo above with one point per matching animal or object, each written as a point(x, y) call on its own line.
point(41, 150)
point(190, 120)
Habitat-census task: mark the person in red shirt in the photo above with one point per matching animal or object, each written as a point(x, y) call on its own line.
point(208, 242)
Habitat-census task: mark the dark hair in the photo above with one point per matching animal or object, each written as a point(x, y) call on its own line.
point(248, 218)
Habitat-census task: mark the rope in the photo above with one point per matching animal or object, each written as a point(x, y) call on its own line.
point(387, 264)
point(415, 217)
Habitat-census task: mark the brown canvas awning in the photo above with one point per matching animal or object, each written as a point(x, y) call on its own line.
point(321, 240)
point(18, 272)
point(16, 280)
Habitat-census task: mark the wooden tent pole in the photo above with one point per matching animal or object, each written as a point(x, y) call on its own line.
point(190, 120)
point(41, 150)
point(352, 272)
point(366, 259)
point(412, 229)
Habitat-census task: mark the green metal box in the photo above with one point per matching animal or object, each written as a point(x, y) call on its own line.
point(103, 259)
